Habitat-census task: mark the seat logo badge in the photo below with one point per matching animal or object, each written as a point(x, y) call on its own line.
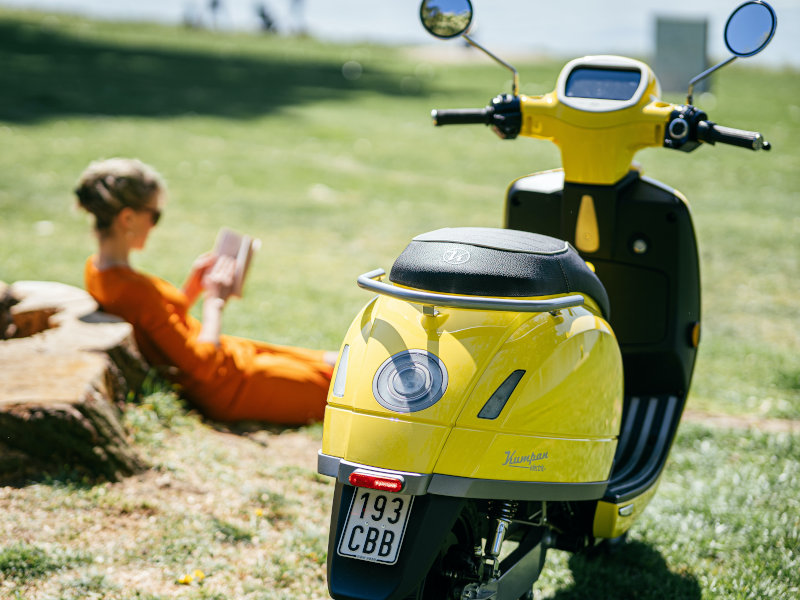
point(455, 256)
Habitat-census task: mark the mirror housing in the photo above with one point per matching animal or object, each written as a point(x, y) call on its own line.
point(750, 27)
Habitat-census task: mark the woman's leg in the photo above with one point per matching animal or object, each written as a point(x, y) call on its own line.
point(285, 385)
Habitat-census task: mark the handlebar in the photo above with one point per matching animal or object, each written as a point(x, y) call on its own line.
point(504, 114)
point(461, 116)
point(711, 133)
point(687, 125)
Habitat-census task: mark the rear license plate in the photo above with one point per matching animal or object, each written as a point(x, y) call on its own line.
point(375, 526)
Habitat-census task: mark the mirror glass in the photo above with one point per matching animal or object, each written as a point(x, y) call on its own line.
point(446, 18)
point(750, 28)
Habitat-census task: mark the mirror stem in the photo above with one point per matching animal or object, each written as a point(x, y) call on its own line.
point(705, 74)
point(515, 81)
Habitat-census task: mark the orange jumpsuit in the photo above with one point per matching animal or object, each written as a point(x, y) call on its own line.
point(240, 379)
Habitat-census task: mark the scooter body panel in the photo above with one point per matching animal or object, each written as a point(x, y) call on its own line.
point(567, 363)
point(612, 519)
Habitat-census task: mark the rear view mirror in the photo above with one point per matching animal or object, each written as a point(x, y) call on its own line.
point(748, 31)
point(446, 19)
point(750, 28)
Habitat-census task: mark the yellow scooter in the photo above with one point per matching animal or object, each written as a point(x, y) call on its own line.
point(487, 403)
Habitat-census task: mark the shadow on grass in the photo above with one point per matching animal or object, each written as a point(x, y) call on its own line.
point(634, 571)
point(46, 73)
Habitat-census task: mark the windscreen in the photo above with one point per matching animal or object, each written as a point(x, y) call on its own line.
point(606, 84)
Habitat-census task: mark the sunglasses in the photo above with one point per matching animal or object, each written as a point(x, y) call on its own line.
point(155, 214)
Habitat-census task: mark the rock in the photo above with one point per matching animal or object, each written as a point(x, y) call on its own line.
point(63, 378)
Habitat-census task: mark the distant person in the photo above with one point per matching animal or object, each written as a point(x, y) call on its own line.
point(228, 378)
point(267, 22)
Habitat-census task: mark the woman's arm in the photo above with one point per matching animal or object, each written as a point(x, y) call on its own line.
point(217, 284)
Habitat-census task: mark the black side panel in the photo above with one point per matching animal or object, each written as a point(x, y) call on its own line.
point(432, 518)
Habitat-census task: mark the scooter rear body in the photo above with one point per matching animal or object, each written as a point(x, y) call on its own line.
point(468, 404)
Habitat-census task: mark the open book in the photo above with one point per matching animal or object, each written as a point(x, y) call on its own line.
point(241, 247)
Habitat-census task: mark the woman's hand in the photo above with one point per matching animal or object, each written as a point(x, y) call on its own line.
point(194, 282)
point(218, 280)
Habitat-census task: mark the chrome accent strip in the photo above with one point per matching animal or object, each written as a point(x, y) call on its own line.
point(368, 282)
point(418, 484)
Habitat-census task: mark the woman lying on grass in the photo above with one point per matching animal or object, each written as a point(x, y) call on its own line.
point(228, 378)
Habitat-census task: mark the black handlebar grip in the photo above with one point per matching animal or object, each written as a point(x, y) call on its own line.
point(461, 116)
point(712, 133)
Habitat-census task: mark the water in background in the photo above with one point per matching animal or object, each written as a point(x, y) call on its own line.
point(562, 28)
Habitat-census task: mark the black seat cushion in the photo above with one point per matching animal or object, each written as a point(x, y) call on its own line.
point(482, 261)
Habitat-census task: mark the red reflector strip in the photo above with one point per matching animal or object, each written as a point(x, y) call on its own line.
point(375, 482)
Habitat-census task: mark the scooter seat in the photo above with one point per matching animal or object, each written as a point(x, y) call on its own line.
point(482, 261)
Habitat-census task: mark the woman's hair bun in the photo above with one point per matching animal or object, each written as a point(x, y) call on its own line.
point(108, 186)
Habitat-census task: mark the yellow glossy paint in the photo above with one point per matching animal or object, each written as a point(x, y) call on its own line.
point(388, 441)
point(482, 454)
point(586, 139)
point(572, 366)
point(609, 523)
point(587, 233)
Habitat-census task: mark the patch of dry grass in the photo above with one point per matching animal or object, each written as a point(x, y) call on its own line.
point(220, 515)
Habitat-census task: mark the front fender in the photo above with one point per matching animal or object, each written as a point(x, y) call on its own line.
point(430, 522)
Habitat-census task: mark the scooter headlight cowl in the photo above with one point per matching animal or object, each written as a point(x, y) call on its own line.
point(409, 381)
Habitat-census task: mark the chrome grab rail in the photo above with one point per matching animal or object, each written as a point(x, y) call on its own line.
point(368, 282)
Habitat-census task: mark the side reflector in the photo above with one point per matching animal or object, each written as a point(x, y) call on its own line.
point(376, 481)
point(341, 373)
point(495, 404)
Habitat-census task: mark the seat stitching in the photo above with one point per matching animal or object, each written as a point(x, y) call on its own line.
point(564, 274)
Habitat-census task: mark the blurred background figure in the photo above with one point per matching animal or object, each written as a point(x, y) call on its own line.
point(267, 23)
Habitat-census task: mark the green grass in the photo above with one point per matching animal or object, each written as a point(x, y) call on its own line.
point(335, 175)
point(725, 523)
point(22, 561)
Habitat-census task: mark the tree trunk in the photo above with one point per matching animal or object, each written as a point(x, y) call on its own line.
point(63, 378)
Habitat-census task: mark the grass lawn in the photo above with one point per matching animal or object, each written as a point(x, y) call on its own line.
point(335, 174)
